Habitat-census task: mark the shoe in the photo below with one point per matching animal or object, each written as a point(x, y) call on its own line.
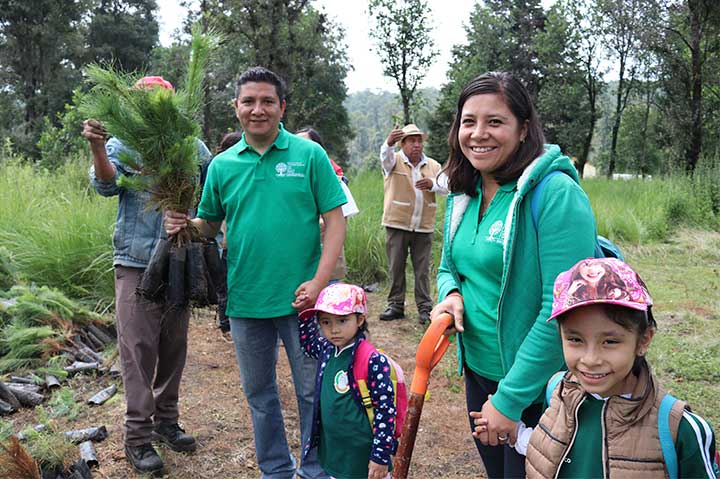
point(423, 317)
point(391, 314)
point(145, 459)
point(174, 436)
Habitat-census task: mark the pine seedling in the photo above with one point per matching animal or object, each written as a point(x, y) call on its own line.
point(16, 462)
point(158, 125)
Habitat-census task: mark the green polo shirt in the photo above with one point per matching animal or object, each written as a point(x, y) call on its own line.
point(271, 203)
point(478, 253)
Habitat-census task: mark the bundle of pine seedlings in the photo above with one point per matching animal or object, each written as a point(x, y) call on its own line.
point(40, 322)
point(161, 127)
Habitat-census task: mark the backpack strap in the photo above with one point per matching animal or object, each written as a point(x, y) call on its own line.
point(537, 195)
point(552, 385)
point(666, 440)
point(360, 371)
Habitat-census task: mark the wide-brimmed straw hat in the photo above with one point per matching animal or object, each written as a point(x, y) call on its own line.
point(410, 130)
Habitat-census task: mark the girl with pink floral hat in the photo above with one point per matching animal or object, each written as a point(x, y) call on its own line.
point(607, 415)
point(349, 447)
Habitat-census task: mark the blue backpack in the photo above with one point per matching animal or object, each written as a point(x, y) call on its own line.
point(666, 440)
point(604, 248)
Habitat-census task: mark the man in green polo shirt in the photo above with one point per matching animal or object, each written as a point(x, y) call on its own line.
point(270, 188)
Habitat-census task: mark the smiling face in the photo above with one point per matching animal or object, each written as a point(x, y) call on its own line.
point(259, 110)
point(489, 133)
point(592, 272)
point(340, 330)
point(600, 352)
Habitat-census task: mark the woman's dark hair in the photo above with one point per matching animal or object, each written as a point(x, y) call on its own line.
point(261, 75)
point(312, 133)
point(631, 319)
point(463, 177)
point(227, 141)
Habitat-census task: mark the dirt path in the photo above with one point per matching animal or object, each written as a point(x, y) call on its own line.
point(214, 409)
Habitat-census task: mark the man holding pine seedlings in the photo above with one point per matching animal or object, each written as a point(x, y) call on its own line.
point(152, 336)
point(270, 188)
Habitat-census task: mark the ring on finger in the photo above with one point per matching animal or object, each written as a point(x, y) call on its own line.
point(502, 438)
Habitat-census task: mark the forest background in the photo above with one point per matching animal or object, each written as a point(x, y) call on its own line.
point(627, 86)
point(631, 86)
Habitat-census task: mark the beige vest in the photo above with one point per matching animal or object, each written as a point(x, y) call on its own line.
point(399, 206)
point(632, 444)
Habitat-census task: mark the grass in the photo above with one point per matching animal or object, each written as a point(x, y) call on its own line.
point(64, 404)
point(57, 230)
point(683, 276)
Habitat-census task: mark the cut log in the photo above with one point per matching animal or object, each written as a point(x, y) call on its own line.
point(27, 397)
point(103, 396)
point(100, 334)
point(8, 397)
point(95, 434)
point(88, 454)
point(6, 408)
point(51, 382)
point(38, 428)
point(80, 366)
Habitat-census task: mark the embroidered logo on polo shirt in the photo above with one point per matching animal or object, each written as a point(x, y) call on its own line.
point(294, 169)
point(341, 382)
point(496, 232)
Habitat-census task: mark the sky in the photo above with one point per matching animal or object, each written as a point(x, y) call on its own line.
point(449, 18)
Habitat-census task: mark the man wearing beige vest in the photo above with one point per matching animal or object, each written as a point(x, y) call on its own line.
point(409, 217)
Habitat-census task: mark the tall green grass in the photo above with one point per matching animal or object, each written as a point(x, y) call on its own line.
point(57, 229)
point(365, 241)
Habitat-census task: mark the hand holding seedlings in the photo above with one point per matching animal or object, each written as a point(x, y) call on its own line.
point(175, 221)
point(94, 132)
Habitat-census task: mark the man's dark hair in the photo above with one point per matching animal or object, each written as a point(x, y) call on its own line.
point(462, 176)
point(261, 75)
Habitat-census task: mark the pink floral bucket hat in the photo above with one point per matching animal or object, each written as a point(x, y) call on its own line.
point(340, 299)
point(599, 280)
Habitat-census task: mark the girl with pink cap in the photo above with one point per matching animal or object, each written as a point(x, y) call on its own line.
point(349, 447)
point(607, 415)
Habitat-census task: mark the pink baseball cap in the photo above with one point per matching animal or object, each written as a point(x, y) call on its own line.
point(151, 81)
point(596, 281)
point(340, 299)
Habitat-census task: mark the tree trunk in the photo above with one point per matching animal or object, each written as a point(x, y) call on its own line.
point(406, 108)
point(696, 133)
point(591, 86)
point(642, 164)
point(618, 118)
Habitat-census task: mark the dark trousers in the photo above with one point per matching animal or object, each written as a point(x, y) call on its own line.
point(397, 244)
point(223, 320)
point(500, 461)
point(152, 341)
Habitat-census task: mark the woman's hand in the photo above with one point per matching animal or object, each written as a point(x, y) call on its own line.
point(498, 429)
point(377, 471)
point(453, 305)
point(175, 221)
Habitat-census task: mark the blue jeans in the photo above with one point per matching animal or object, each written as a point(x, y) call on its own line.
point(256, 347)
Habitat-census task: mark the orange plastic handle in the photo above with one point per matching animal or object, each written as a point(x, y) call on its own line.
point(430, 351)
